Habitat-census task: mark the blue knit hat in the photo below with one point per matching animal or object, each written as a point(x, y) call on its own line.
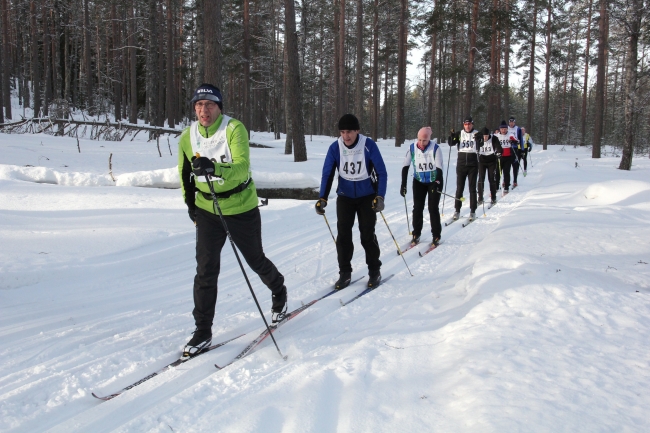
point(503, 124)
point(207, 92)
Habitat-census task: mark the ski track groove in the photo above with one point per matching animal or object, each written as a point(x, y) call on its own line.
point(116, 413)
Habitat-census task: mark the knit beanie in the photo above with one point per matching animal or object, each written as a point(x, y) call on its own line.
point(349, 122)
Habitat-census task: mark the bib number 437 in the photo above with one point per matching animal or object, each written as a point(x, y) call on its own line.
point(352, 167)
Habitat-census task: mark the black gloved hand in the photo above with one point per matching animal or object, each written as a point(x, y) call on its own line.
point(402, 190)
point(478, 137)
point(498, 155)
point(191, 210)
point(320, 206)
point(378, 204)
point(203, 166)
point(438, 185)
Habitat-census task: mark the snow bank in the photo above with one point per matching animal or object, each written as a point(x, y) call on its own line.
point(51, 176)
point(613, 191)
point(163, 178)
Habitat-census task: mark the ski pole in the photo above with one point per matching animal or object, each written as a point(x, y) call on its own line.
point(215, 203)
point(451, 196)
point(530, 152)
point(446, 177)
point(408, 224)
point(396, 244)
point(328, 226)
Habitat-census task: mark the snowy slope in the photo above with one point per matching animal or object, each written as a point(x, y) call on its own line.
point(536, 317)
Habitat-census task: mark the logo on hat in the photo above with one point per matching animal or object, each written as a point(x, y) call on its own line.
point(203, 91)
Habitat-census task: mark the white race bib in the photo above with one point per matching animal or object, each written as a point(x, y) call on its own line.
point(467, 143)
point(213, 147)
point(425, 161)
point(504, 139)
point(487, 148)
point(352, 165)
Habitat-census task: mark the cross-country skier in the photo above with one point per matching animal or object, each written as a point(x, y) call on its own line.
point(222, 143)
point(426, 158)
point(488, 162)
point(507, 155)
point(522, 150)
point(515, 135)
point(360, 193)
point(467, 141)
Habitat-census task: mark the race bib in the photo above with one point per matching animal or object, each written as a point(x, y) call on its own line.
point(424, 161)
point(467, 143)
point(352, 165)
point(212, 147)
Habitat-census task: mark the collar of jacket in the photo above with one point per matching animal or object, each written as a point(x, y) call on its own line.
point(210, 130)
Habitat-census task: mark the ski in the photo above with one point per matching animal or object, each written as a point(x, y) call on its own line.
point(469, 221)
point(264, 335)
point(369, 289)
point(491, 205)
point(408, 247)
point(450, 222)
point(431, 248)
point(176, 363)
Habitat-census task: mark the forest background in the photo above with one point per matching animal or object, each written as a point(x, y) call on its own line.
point(572, 72)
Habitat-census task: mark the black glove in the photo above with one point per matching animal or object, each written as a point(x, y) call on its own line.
point(320, 206)
point(478, 137)
point(191, 210)
point(498, 155)
point(378, 204)
point(402, 191)
point(203, 166)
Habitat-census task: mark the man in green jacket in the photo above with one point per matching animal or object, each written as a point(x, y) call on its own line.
point(215, 149)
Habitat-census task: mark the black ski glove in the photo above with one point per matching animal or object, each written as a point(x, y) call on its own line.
point(203, 166)
point(402, 191)
point(320, 206)
point(378, 204)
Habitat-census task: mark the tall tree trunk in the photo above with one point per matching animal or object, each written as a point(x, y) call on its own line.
point(169, 79)
point(35, 62)
point(531, 72)
point(117, 64)
point(469, 86)
point(133, 105)
point(599, 103)
point(492, 114)
point(547, 87)
point(212, 42)
point(506, 62)
point(47, 63)
point(294, 90)
point(634, 15)
point(246, 65)
point(342, 84)
point(2, 99)
point(87, 64)
point(400, 130)
point(358, 97)
point(583, 113)
point(432, 79)
point(6, 53)
point(153, 73)
point(374, 130)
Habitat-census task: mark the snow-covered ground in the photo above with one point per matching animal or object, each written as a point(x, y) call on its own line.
point(534, 318)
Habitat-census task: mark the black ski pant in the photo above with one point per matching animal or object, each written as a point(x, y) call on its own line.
point(515, 165)
point(246, 232)
point(523, 158)
point(347, 209)
point(422, 191)
point(470, 173)
point(492, 170)
point(506, 162)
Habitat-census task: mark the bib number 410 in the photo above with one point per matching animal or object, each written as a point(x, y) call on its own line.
point(352, 167)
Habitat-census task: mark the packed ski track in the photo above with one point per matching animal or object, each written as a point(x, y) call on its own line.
point(535, 317)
